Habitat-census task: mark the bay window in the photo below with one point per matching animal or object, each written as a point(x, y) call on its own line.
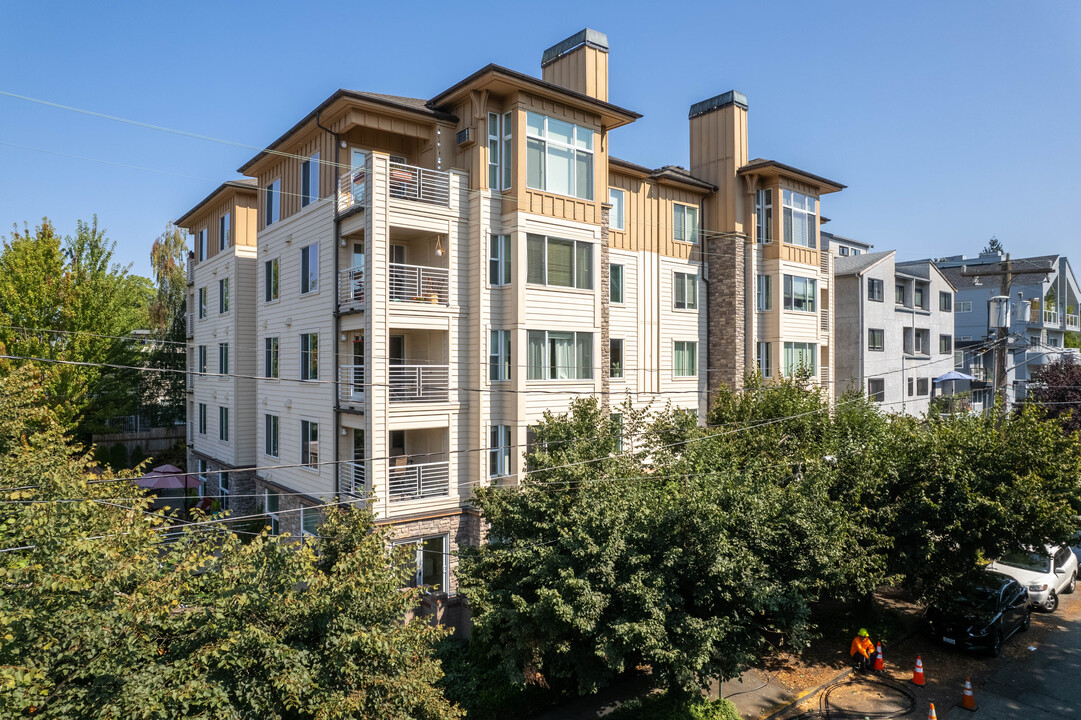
point(559, 156)
point(765, 293)
point(560, 355)
point(799, 356)
point(799, 293)
point(499, 451)
point(500, 145)
point(499, 267)
point(800, 221)
point(559, 262)
point(499, 356)
point(764, 215)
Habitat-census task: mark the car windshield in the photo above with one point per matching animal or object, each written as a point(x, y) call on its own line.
point(977, 596)
point(1031, 561)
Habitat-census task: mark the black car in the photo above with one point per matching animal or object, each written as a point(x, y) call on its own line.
point(980, 612)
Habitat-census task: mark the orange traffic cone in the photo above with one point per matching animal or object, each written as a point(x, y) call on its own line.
point(880, 664)
point(931, 715)
point(968, 700)
point(917, 675)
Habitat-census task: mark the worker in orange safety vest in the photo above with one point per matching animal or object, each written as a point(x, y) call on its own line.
point(862, 651)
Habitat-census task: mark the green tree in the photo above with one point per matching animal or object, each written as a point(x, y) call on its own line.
point(165, 391)
point(102, 617)
point(994, 246)
point(53, 292)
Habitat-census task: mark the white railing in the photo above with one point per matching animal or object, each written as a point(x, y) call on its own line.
point(352, 188)
point(191, 324)
point(416, 283)
point(191, 270)
point(419, 383)
point(825, 262)
point(1073, 321)
point(825, 322)
point(412, 482)
point(351, 383)
point(351, 479)
point(190, 380)
point(1050, 317)
point(351, 286)
point(824, 376)
point(414, 183)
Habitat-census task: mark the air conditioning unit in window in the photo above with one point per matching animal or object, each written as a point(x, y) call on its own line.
point(465, 137)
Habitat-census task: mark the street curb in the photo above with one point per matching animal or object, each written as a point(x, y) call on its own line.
point(840, 676)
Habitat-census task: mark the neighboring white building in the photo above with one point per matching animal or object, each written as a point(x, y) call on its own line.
point(894, 329)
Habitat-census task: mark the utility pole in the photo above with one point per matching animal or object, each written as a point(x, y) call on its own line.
point(1006, 275)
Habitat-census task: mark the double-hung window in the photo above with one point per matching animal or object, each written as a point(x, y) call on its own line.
point(765, 293)
point(272, 202)
point(271, 270)
point(272, 504)
point(615, 358)
point(309, 180)
point(200, 243)
point(223, 358)
point(558, 262)
point(875, 290)
point(559, 156)
point(899, 294)
point(684, 223)
point(309, 444)
point(920, 298)
point(270, 357)
point(615, 283)
point(945, 301)
point(799, 293)
point(309, 356)
point(270, 435)
point(685, 291)
point(876, 339)
point(560, 355)
point(223, 231)
point(499, 267)
point(202, 302)
point(800, 219)
point(763, 207)
point(499, 451)
point(500, 145)
point(309, 268)
point(202, 360)
point(309, 522)
point(618, 200)
point(202, 418)
point(499, 356)
point(685, 358)
point(876, 389)
point(223, 424)
point(764, 355)
point(223, 296)
point(799, 356)
point(945, 344)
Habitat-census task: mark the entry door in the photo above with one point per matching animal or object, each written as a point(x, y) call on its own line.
point(358, 368)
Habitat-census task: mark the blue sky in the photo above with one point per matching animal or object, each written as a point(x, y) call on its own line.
point(949, 122)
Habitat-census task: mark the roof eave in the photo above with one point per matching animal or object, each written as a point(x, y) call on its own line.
point(217, 194)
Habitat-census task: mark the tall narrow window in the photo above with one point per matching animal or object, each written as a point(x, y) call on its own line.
point(223, 424)
point(499, 355)
point(495, 152)
point(508, 145)
point(270, 357)
point(685, 291)
point(272, 200)
point(499, 451)
point(200, 243)
point(309, 356)
point(945, 301)
point(685, 359)
point(223, 231)
point(800, 219)
point(875, 290)
point(615, 358)
point(202, 302)
point(223, 488)
point(309, 522)
point(309, 444)
point(945, 344)
point(919, 298)
point(223, 358)
point(559, 156)
point(271, 505)
point(615, 283)
point(271, 269)
point(223, 296)
point(685, 223)
point(617, 429)
point(876, 390)
point(764, 215)
point(899, 294)
point(876, 339)
point(309, 268)
point(309, 180)
point(202, 418)
point(270, 432)
point(202, 359)
point(765, 293)
point(499, 268)
point(617, 199)
point(764, 356)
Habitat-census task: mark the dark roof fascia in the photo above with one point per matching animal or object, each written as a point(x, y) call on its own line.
point(245, 184)
point(353, 95)
point(664, 174)
point(753, 167)
point(494, 69)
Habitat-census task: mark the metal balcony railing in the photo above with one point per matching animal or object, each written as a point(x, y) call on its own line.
point(189, 381)
point(351, 479)
point(351, 383)
point(824, 376)
point(415, 183)
point(352, 188)
point(416, 283)
point(1073, 321)
point(825, 319)
point(825, 262)
point(191, 325)
point(1050, 317)
point(412, 482)
point(190, 274)
point(419, 383)
point(351, 286)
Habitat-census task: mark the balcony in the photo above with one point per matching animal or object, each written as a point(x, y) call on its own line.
point(351, 287)
point(405, 182)
point(351, 479)
point(1050, 317)
point(419, 383)
point(412, 482)
point(419, 284)
point(351, 384)
point(1073, 322)
point(191, 324)
point(190, 274)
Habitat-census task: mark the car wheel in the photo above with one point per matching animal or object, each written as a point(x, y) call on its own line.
point(1027, 622)
point(996, 644)
point(1051, 604)
point(1072, 584)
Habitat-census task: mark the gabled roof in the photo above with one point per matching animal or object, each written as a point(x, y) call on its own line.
point(859, 264)
point(243, 185)
point(832, 236)
point(761, 164)
point(672, 173)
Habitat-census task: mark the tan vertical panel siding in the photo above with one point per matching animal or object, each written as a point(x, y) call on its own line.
point(648, 217)
point(583, 70)
point(245, 211)
point(718, 150)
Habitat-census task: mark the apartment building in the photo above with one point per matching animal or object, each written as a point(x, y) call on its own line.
point(1043, 307)
point(432, 276)
point(895, 329)
point(841, 246)
point(221, 306)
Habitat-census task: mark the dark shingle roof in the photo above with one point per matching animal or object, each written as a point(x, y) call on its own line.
point(855, 264)
point(961, 282)
point(672, 172)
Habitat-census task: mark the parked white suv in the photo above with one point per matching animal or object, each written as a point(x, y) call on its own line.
point(1046, 574)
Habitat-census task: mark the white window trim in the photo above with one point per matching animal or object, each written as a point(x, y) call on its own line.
point(682, 279)
point(547, 367)
point(201, 420)
point(684, 208)
point(622, 283)
point(622, 226)
point(499, 252)
point(272, 348)
point(224, 230)
point(223, 359)
point(275, 262)
point(305, 356)
point(309, 194)
point(765, 365)
point(573, 147)
point(277, 435)
point(499, 451)
point(223, 296)
point(418, 578)
point(675, 374)
point(307, 464)
point(307, 251)
point(593, 260)
point(223, 423)
point(304, 512)
point(272, 199)
point(813, 295)
point(275, 527)
point(622, 359)
point(500, 352)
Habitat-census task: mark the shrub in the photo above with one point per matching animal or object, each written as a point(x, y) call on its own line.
point(137, 455)
point(662, 706)
point(118, 456)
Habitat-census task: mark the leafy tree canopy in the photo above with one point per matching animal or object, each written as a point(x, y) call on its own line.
point(1056, 390)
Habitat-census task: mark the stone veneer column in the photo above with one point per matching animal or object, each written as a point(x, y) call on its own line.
point(726, 296)
point(606, 297)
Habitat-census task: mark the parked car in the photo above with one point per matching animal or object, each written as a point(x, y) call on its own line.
point(980, 612)
point(1047, 573)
